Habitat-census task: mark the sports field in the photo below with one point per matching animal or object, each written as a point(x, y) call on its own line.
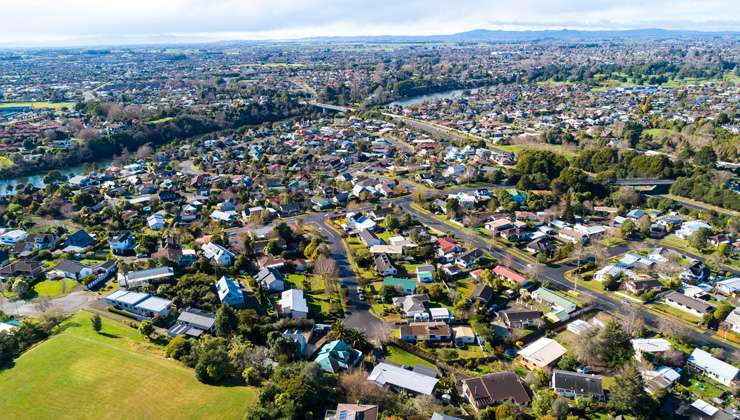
point(79, 374)
point(52, 105)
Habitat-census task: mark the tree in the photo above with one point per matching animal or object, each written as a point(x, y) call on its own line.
point(96, 322)
point(212, 360)
point(627, 228)
point(284, 349)
point(488, 413)
point(628, 395)
point(699, 238)
point(542, 401)
point(22, 289)
point(146, 328)
point(226, 321)
point(178, 348)
point(705, 156)
point(560, 408)
point(616, 344)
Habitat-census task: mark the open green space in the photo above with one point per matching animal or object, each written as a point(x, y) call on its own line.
point(5, 162)
point(38, 105)
point(161, 120)
point(54, 288)
point(555, 148)
point(79, 374)
point(401, 357)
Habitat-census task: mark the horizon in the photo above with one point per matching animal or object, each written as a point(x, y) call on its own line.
point(137, 22)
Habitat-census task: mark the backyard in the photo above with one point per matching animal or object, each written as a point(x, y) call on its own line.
point(117, 374)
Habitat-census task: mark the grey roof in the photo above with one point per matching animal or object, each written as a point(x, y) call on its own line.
point(202, 320)
point(69, 266)
point(580, 384)
point(695, 304)
point(151, 273)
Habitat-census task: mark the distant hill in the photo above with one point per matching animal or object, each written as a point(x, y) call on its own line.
point(564, 34)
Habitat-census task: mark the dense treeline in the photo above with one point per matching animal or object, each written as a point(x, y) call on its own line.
point(98, 145)
point(702, 186)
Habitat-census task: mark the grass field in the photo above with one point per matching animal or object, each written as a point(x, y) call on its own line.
point(5, 162)
point(400, 357)
point(52, 105)
point(79, 374)
point(54, 288)
point(555, 148)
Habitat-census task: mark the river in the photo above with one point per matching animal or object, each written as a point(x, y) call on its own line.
point(415, 100)
point(8, 186)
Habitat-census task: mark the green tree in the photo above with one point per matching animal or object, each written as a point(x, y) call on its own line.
point(96, 322)
point(628, 395)
point(227, 321)
point(146, 328)
point(542, 401)
point(699, 239)
point(212, 360)
point(627, 228)
point(178, 348)
point(560, 408)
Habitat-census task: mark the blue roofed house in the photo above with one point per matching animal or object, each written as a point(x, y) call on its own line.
point(78, 241)
point(337, 356)
point(229, 292)
point(425, 273)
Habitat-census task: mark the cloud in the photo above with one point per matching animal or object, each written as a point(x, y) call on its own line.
point(39, 20)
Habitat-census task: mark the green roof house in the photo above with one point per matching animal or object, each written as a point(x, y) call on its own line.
point(337, 356)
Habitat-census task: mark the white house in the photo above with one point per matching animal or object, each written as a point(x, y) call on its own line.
point(10, 238)
point(156, 221)
point(293, 304)
point(218, 254)
point(396, 377)
point(691, 227)
point(143, 305)
point(650, 346)
point(136, 279)
point(711, 367)
point(229, 292)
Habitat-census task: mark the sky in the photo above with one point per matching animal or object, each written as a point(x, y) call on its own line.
point(58, 22)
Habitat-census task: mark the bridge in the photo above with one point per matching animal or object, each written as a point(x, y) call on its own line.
point(643, 182)
point(329, 107)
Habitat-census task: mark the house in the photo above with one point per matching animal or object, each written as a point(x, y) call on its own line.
point(693, 306)
point(691, 227)
point(102, 272)
point(4, 258)
point(541, 353)
point(228, 216)
point(509, 275)
point(369, 238)
point(494, 389)
point(358, 222)
point(542, 245)
point(143, 305)
point(426, 331)
point(425, 273)
point(448, 245)
point(520, 318)
point(655, 346)
point(733, 321)
point(561, 306)
point(463, 335)
point(695, 272)
point(711, 367)
point(270, 279)
point(482, 293)
point(121, 242)
point(406, 286)
point(384, 266)
point(353, 412)
point(412, 306)
point(577, 385)
point(496, 226)
point(268, 261)
point(661, 378)
point(338, 356)
point(398, 378)
point(193, 323)
point(298, 338)
point(12, 237)
point(218, 254)
point(440, 314)
point(468, 259)
point(21, 268)
point(156, 221)
point(641, 285)
point(172, 252)
point(72, 270)
point(229, 292)
point(293, 304)
point(728, 287)
point(137, 279)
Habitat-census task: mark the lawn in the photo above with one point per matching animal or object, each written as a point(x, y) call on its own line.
point(54, 288)
point(555, 148)
point(38, 105)
point(161, 120)
point(5, 162)
point(662, 307)
point(401, 357)
point(79, 374)
point(704, 389)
